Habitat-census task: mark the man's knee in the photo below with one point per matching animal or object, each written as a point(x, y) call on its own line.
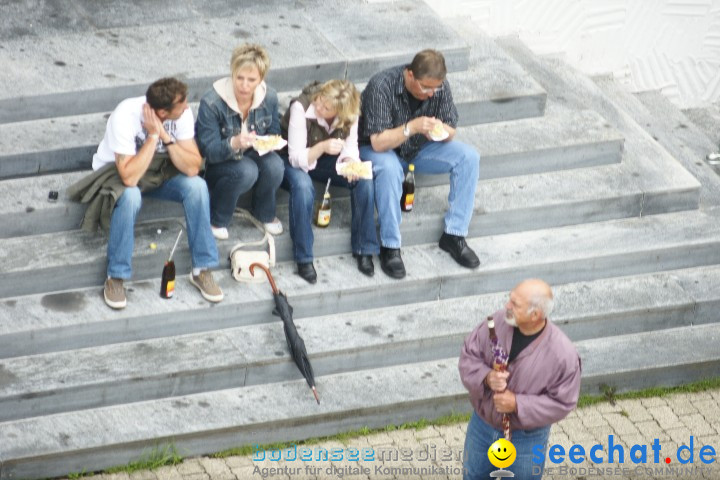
point(470, 155)
point(196, 189)
point(131, 199)
point(386, 164)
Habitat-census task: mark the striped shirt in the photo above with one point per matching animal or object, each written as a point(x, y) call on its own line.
point(385, 105)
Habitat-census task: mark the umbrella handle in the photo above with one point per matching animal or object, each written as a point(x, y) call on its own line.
point(267, 272)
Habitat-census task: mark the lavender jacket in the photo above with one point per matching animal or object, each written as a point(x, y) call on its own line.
point(545, 377)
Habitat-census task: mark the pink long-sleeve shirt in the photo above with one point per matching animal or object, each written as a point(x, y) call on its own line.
point(545, 376)
point(298, 142)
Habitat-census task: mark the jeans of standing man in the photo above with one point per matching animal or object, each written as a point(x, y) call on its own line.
point(363, 235)
point(459, 159)
point(192, 192)
point(480, 435)
point(228, 180)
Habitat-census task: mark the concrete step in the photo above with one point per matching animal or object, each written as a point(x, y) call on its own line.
point(68, 143)
point(670, 128)
point(255, 354)
point(560, 140)
point(646, 160)
point(197, 424)
point(313, 40)
point(706, 119)
point(79, 318)
point(73, 259)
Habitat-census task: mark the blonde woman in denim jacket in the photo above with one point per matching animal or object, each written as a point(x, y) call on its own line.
point(232, 113)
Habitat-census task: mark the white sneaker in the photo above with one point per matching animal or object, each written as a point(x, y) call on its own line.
point(220, 233)
point(275, 227)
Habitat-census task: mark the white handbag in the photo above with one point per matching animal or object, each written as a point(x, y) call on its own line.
point(240, 260)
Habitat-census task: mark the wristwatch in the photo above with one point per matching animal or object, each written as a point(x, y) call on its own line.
point(171, 142)
point(406, 130)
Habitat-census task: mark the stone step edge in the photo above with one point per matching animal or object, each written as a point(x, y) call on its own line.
point(408, 392)
point(423, 283)
point(595, 310)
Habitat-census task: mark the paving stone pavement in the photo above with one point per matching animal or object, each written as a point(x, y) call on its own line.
point(435, 452)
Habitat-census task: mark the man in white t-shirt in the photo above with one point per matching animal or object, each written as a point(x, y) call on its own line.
point(159, 122)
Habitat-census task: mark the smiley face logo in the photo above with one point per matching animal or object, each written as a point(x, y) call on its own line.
point(502, 453)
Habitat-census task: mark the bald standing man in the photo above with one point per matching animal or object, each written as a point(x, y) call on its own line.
point(540, 387)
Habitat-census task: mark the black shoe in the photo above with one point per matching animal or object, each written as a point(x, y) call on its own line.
point(458, 248)
point(307, 272)
point(391, 262)
point(365, 264)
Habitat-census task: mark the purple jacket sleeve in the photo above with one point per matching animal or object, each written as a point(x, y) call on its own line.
point(475, 363)
point(557, 401)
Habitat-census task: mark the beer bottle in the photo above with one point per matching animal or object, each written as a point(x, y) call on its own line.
point(408, 190)
point(322, 218)
point(167, 283)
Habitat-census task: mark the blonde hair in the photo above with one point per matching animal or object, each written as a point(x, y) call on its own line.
point(344, 98)
point(250, 54)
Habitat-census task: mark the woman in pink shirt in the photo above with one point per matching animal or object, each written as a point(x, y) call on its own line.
point(321, 129)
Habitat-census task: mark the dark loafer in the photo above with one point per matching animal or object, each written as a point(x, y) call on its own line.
point(307, 272)
point(391, 262)
point(458, 248)
point(365, 264)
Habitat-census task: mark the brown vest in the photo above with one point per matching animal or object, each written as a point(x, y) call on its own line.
point(315, 133)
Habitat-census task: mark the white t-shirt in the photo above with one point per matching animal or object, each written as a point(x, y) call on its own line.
point(125, 134)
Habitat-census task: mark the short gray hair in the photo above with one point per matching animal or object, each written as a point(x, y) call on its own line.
point(541, 302)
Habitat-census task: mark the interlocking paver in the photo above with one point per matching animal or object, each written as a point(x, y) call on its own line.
point(405, 438)
point(653, 402)
point(594, 421)
point(697, 424)
point(621, 424)
point(190, 466)
point(679, 435)
point(426, 433)
point(143, 475)
point(682, 404)
point(197, 476)
point(651, 430)
point(665, 417)
point(168, 473)
point(380, 439)
point(237, 461)
point(217, 468)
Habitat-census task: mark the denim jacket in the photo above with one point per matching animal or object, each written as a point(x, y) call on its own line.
point(218, 121)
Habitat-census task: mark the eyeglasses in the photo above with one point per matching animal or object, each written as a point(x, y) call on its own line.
point(427, 90)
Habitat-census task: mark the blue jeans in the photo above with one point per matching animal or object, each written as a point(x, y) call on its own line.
point(363, 235)
point(460, 160)
point(192, 193)
point(228, 180)
point(480, 436)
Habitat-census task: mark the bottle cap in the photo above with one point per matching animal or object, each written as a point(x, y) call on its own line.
point(411, 167)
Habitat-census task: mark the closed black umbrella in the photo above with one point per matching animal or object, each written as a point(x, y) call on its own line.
point(294, 340)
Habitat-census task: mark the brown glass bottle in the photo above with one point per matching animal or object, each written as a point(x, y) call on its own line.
point(408, 190)
point(324, 210)
point(167, 282)
point(167, 285)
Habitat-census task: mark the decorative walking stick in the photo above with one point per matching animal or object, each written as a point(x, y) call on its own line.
point(500, 361)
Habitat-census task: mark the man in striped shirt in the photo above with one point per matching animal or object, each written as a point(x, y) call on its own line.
point(402, 110)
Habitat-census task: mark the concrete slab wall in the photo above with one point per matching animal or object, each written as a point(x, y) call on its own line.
point(670, 45)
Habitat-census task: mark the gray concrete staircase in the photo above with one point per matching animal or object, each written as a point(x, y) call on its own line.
point(576, 187)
